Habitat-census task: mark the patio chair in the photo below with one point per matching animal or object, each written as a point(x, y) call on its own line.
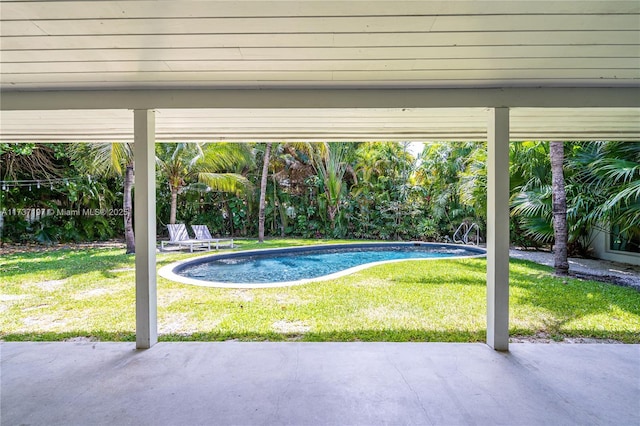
point(179, 236)
point(203, 234)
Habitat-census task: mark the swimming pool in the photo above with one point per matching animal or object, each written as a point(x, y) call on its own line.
point(299, 265)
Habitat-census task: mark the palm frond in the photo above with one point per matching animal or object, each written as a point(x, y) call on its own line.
point(615, 170)
point(538, 228)
point(225, 157)
point(532, 203)
point(103, 158)
point(628, 194)
point(226, 182)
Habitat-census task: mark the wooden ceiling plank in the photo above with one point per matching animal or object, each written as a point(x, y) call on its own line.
point(146, 8)
point(284, 76)
point(449, 52)
point(256, 40)
point(323, 65)
point(352, 24)
point(450, 57)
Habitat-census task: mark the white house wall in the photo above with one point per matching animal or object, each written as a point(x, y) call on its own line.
point(601, 250)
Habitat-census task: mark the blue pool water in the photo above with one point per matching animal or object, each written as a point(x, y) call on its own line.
point(307, 263)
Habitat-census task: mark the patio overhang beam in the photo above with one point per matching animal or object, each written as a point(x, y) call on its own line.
point(557, 97)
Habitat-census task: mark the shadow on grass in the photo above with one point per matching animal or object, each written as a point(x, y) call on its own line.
point(470, 272)
point(569, 299)
point(425, 280)
point(563, 300)
point(64, 263)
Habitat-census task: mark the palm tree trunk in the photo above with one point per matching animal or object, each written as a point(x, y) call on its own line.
point(263, 191)
point(127, 205)
point(174, 205)
point(561, 263)
point(332, 211)
point(225, 206)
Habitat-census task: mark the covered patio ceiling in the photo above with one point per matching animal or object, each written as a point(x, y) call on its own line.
point(324, 44)
point(464, 56)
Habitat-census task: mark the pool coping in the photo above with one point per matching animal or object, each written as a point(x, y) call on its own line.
point(167, 271)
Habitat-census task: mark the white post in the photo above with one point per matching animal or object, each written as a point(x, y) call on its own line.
point(145, 228)
point(498, 229)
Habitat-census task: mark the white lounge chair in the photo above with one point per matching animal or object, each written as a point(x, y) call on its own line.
point(179, 236)
point(203, 234)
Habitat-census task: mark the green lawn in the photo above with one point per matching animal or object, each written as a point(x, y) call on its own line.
point(63, 294)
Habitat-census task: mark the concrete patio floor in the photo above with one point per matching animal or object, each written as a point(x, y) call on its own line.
point(236, 383)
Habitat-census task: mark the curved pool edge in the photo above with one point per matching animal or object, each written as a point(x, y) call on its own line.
point(167, 271)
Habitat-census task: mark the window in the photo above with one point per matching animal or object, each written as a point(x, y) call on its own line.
point(629, 242)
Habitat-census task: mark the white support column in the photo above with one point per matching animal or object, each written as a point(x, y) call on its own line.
point(145, 228)
point(498, 229)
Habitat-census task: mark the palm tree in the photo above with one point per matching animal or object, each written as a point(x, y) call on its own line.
point(602, 185)
point(472, 188)
point(182, 163)
point(176, 162)
point(439, 173)
point(329, 161)
point(290, 164)
point(263, 190)
point(561, 264)
point(111, 159)
point(385, 184)
point(531, 191)
point(611, 172)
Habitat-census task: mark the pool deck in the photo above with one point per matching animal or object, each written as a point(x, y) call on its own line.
point(295, 383)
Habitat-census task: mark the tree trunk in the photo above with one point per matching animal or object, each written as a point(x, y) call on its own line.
point(561, 263)
point(174, 205)
point(127, 205)
point(227, 208)
point(263, 191)
point(332, 211)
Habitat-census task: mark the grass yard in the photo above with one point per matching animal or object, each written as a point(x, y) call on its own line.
point(64, 294)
